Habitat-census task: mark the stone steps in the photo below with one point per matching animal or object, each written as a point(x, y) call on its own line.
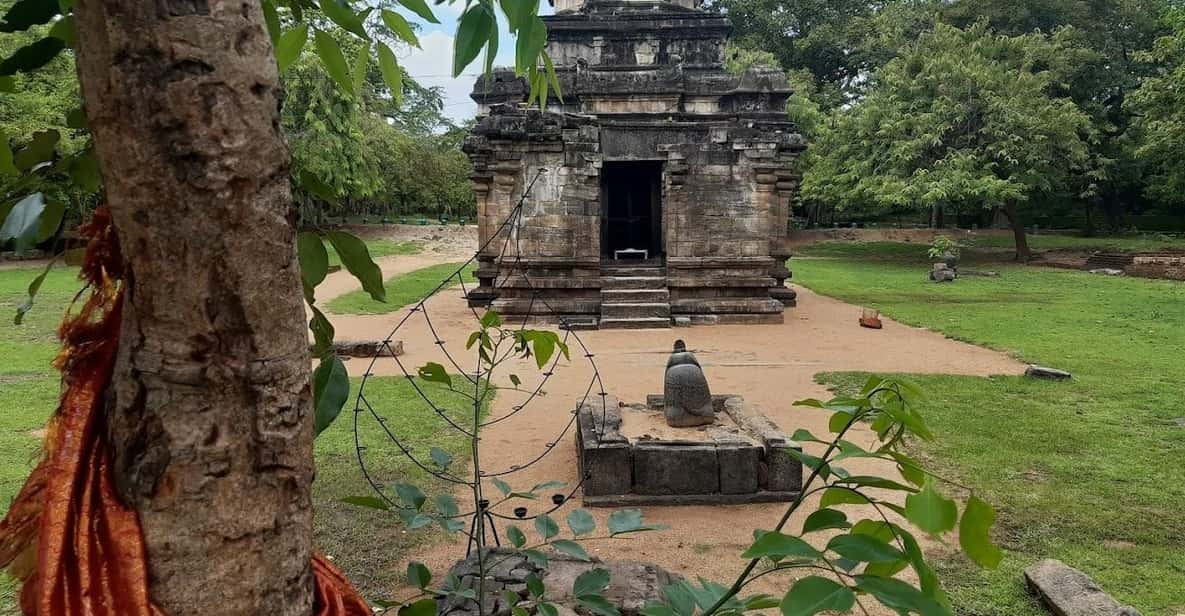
point(646, 323)
point(616, 283)
point(636, 311)
point(635, 296)
point(1104, 260)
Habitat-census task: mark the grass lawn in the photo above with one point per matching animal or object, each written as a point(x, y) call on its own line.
point(365, 542)
point(378, 248)
point(402, 290)
point(1088, 471)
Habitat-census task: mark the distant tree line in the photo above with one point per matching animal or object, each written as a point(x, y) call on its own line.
point(375, 155)
point(1021, 110)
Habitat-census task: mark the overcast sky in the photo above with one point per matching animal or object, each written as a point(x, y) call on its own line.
point(433, 64)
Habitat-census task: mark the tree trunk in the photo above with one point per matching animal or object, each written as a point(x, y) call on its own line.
point(1023, 254)
point(209, 410)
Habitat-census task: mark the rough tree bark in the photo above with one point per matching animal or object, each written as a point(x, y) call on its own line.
point(210, 407)
point(1023, 254)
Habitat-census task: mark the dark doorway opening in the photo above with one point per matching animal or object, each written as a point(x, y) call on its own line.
point(631, 208)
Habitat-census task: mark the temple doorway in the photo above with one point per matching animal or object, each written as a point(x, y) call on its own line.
point(631, 210)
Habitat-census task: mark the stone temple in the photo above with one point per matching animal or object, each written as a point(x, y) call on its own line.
point(663, 182)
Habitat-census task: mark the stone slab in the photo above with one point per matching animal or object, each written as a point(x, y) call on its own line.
point(1050, 374)
point(660, 500)
point(783, 471)
point(739, 468)
point(1069, 592)
point(676, 469)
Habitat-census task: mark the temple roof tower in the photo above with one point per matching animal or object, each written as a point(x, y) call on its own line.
point(658, 164)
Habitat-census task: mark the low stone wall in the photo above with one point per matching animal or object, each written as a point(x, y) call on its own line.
point(631, 584)
point(721, 470)
point(1169, 266)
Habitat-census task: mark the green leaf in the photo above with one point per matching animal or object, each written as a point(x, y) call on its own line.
point(361, 61)
point(290, 45)
point(815, 594)
point(872, 481)
point(411, 495)
point(760, 602)
point(549, 70)
point(84, 172)
point(516, 536)
point(331, 388)
point(323, 333)
point(333, 60)
point(491, 320)
point(571, 548)
point(420, 7)
point(974, 533)
point(356, 257)
point(909, 469)
point(591, 582)
point(549, 485)
point(313, 259)
point(629, 521)
point(272, 20)
point(841, 496)
point(392, 74)
point(548, 609)
point(423, 607)
point(343, 15)
point(6, 164)
point(51, 221)
point(544, 346)
point(772, 544)
point(514, 380)
point(313, 185)
point(864, 548)
point(532, 38)
point(472, 35)
point(33, 290)
point(537, 558)
point(24, 14)
point(418, 575)
point(897, 595)
point(440, 457)
point(400, 27)
point(931, 511)
point(546, 526)
point(446, 505)
point(581, 522)
point(502, 486)
point(824, 519)
point(39, 150)
point(371, 502)
point(23, 222)
point(32, 56)
point(839, 422)
point(63, 30)
point(597, 605)
point(535, 585)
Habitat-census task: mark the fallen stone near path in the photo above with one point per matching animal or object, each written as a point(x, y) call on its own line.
point(1107, 271)
point(365, 349)
point(631, 584)
point(1050, 374)
point(1069, 592)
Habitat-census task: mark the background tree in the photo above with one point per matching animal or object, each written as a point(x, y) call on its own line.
point(964, 117)
point(1159, 106)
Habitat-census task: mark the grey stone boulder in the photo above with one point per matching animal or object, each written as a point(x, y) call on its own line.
point(1069, 592)
point(1050, 374)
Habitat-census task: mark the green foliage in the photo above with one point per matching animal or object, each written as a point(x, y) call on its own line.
point(942, 244)
point(963, 117)
point(1159, 105)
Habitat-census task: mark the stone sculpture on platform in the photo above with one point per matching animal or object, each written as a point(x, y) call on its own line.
point(686, 397)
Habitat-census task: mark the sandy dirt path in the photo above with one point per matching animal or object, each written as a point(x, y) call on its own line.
point(770, 365)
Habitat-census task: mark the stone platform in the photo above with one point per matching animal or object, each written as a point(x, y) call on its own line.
point(629, 456)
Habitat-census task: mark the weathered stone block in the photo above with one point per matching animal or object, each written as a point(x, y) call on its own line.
point(783, 471)
point(607, 468)
point(675, 469)
point(739, 467)
point(1069, 592)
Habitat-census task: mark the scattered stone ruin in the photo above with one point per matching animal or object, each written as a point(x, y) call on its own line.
point(627, 459)
point(664, 182)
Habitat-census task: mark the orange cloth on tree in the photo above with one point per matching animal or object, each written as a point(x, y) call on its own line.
point(76, 548)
